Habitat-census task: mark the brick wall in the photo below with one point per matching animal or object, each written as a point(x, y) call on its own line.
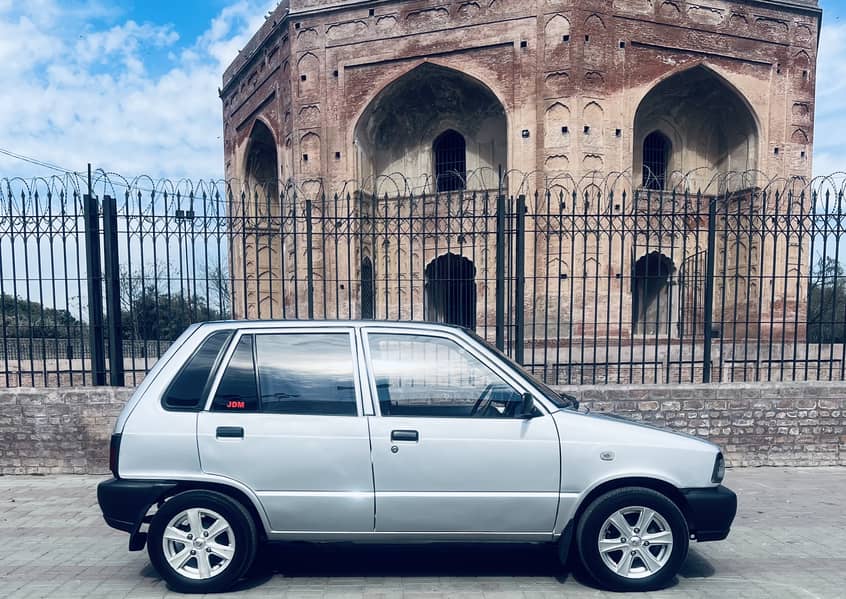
point(772, 424)
point(45, 431)
point(49, 431)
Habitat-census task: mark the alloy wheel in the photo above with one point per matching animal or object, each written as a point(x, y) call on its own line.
point(198, 543)
point(635, 542)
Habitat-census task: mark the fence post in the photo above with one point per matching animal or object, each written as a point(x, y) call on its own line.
point(500, 270)
point(520, 280)
point(309, 260)
point(709, 289)
point(112, 272)
point(91, 216)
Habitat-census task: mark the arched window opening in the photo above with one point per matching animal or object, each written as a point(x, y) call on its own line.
point(397, 131)
point(368, 290)
point(262, 170)
point(656, 158)
point(713, 131)
point(450, 152)
point(451, 291)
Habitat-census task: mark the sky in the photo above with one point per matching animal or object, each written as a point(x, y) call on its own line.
point(131, 86)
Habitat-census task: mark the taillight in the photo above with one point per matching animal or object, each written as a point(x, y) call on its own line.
point(719, 471)
point(114, 451)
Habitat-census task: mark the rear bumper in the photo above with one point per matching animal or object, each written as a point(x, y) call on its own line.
point(124, 503)
point(710, 512)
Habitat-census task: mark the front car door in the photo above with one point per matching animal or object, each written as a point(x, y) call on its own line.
point(450, 452)
point(285, 418)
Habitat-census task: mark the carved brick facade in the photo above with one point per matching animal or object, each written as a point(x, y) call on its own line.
point(311, 72)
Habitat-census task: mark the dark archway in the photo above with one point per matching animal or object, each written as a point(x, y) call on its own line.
point(451, 291)
point(261, 167)
point(709, 123)
point(397, 131)
point(450, 158)
point(368, 291)
point(652, 301)
point(656, 158)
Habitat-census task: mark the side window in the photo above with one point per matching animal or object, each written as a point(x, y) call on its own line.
point(186, 391)
point(306, 373)
point(237, 389)
point(417, 375)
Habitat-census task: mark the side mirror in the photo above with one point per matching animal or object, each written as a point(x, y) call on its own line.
point(527, 406)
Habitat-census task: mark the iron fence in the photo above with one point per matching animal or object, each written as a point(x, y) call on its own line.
point(591, 281)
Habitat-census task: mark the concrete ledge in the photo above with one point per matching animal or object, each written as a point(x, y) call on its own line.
point(66, 431)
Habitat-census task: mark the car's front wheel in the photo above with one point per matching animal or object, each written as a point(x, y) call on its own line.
point(201, 541)
point(632, 539)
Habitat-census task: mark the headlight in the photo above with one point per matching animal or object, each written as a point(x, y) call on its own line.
point(719, 469)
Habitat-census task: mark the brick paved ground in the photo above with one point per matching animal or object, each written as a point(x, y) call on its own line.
point(789, 540)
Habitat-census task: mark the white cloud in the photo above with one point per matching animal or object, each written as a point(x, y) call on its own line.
point(75, 93)
point(830, 123)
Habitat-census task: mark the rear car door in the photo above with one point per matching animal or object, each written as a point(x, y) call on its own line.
point(285, 419)
point(450, 452)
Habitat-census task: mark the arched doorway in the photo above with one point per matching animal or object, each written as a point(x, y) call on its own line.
point(707, 126)
point(261, 168)
point(450, 158)
point(653, 303)
point(450, 282)
point(412, 127)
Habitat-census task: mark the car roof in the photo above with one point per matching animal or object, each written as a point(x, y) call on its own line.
point(305, 323)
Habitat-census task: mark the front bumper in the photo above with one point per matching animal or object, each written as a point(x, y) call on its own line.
point(124, 504)
point(710, 512)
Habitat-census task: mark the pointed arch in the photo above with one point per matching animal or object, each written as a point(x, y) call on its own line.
point(710, 123)
point(556, 119)
point(261, 167)
point(398, 129)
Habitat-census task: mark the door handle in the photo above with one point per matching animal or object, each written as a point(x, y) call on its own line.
point(405, 436)
point(230, 432)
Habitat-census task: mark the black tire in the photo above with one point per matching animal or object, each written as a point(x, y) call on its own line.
point(593, 521)
point(240, 522)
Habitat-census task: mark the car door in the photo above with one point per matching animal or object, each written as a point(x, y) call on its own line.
point(450, 452)
point(285, 419)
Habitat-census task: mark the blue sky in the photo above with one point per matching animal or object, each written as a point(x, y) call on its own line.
point(131, 86)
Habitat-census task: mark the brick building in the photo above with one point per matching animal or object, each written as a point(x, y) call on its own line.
point(352, 89)
point(716, 95)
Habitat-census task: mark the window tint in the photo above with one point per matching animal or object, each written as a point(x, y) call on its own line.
point(187, 389)
point(306, 373)
point(418, 375)
point(237, 389)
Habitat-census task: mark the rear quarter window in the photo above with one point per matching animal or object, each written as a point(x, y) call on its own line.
point(237, 390)
point(187, 391)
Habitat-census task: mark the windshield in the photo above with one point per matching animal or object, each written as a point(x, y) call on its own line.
point(558, 399)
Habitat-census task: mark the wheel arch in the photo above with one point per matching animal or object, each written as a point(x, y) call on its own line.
point(667, 489)
point(255, 511)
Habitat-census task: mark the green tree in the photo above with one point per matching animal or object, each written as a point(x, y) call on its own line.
point(827, 302)
point(152, 311)
point(24, 318)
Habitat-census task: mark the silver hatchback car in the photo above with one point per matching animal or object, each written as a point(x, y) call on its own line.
point(246, 432)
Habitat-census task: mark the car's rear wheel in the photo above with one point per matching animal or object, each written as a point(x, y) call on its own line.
point(632, 539)
point(201, 541)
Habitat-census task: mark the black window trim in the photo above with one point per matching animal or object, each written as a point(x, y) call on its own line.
point(212, 377)
point(357, 364)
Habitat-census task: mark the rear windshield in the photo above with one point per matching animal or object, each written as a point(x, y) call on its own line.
point(187, 391)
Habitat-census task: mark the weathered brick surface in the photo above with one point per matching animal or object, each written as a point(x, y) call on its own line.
point(773, 424)
point(49, 431)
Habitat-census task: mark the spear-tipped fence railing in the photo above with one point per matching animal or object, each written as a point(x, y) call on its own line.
point(584, 281)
